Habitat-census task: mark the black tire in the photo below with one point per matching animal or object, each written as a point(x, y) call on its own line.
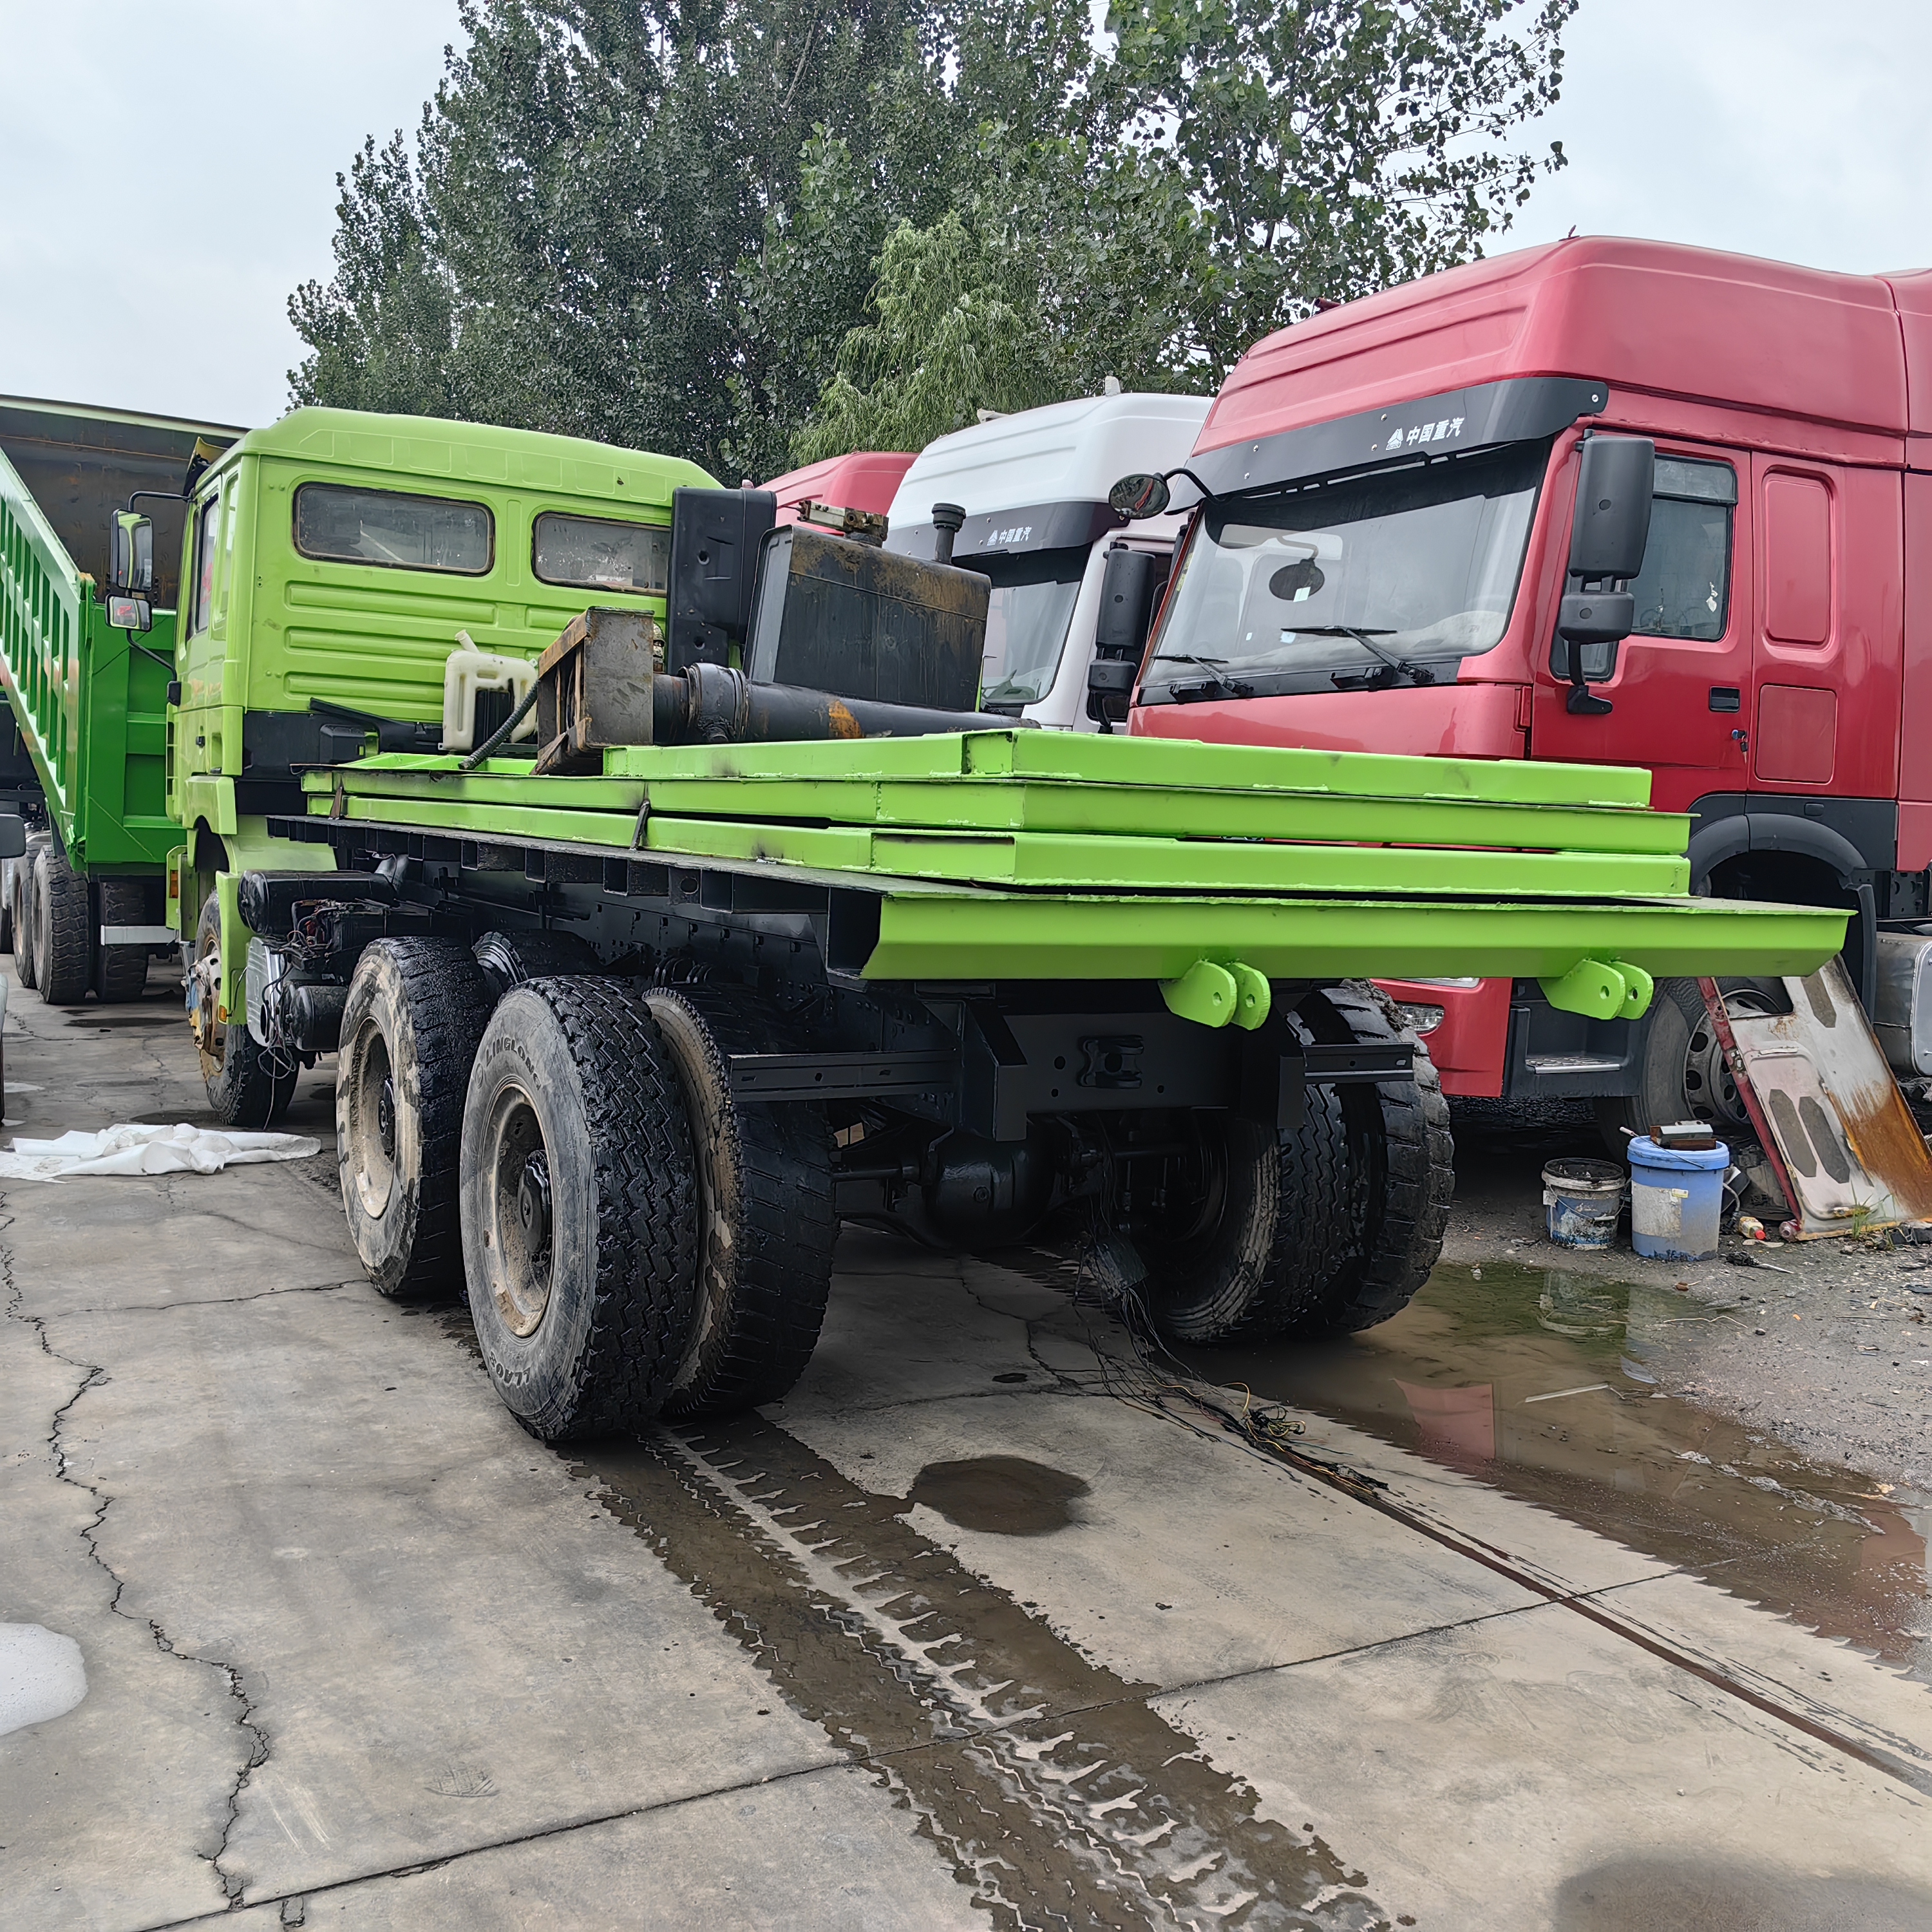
point(247, 1087)
point(122, 973)
point(508, 958)
point(766, 1221)
point(415, 1010)
point(25, 966)
point(1683, 1076)
point(1327, 1227)
point(63, 945)
point(580, 1208)
point(6, 909)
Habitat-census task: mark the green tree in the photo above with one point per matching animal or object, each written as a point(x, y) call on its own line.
point(1334, 146)
point(1226, 165)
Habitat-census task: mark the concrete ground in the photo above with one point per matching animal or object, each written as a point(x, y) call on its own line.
point(1493, 1626)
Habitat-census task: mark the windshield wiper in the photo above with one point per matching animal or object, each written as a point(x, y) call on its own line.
point(1212, 685)
point(1416, 673)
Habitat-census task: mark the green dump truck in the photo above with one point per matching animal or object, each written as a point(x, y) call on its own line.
point(83, 739)
point(625, 1034)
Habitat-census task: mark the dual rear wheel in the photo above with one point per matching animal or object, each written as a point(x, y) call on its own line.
point(634, 1242)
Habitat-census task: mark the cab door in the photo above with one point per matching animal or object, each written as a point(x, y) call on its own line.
point(1827, 670)
point(1679, 686)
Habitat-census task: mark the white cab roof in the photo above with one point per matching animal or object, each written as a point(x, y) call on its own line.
point(1067, 452)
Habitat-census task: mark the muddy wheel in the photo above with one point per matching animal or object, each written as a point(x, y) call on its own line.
point(63, 945)
point(415, 1010)
point(247, 1087)
point(123, 971)
point(580, 1208)
point(765, 1218)
point(508, 958)
point(24, 965)
point(1327, 1227)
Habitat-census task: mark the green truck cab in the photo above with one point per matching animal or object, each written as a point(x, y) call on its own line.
point(331, 564)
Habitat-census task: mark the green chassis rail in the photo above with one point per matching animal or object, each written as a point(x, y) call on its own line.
point(1030, 855)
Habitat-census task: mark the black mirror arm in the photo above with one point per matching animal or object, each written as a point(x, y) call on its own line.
point(1181, 469)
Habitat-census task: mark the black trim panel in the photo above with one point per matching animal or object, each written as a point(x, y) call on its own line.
point(1481, 417)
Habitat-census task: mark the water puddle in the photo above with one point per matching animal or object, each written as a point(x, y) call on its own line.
point(1056, 1792)
point(1006, 1495)
point(1545, 1383)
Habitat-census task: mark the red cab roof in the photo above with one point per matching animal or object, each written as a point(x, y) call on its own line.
point(868, 479)
point(1648, 317)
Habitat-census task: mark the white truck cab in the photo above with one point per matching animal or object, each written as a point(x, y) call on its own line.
point(1034, 487)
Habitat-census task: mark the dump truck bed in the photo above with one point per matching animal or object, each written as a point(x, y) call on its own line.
point(1026, 855)
point(90, 702)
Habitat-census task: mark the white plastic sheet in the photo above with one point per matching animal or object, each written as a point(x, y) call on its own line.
point(137, 1149)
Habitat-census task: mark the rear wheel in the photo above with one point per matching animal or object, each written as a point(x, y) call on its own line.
point(1329, 1227)
point(508, 958)
point(123, 971)
point(415, 1010)
point(247, 1086)
point(25, 964)
point(765, 1221)
point(580, 1199)
point(63, 945)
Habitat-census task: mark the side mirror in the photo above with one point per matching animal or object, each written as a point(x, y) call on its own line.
point(1607, 540)
point(13, 835)
point(130, 553)
point(129, 614)
point(1110, 690)
point(1139, 495)
point(1129, 586)
point(1613, 492)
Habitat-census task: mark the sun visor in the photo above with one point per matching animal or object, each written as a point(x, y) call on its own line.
point(1484, 416)
point(1009, 532)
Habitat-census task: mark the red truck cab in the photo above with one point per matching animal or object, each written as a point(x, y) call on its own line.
point(1381, 557)
point(867, 480)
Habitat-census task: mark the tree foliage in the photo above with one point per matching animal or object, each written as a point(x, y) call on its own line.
point(752, 231)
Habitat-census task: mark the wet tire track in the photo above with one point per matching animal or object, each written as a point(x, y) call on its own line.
point(1059, 1796)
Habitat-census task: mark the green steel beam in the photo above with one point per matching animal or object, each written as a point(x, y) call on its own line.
point(1033, 860)
point(933, 936)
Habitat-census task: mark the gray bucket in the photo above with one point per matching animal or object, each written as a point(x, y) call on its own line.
point(1583, 1199)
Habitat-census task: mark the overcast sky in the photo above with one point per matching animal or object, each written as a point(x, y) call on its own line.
point(167, 166)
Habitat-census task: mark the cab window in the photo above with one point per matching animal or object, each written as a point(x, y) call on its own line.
point(598, 553)
point(393, 530)
point(1685, 588)
point(207, 554)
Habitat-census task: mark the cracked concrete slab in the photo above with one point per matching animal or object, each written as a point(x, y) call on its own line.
point(1483, 1771)
point(746, 1858)
point(362, 1654)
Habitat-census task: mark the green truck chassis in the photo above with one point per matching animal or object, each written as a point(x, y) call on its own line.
point(622, 1049)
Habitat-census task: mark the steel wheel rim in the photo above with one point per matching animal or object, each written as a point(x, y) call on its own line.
point(520, 1222)
point(372, 1165)
point(208, 1034)
point(1710, 1087)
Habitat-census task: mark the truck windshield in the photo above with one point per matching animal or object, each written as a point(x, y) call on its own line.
point(1364, 584)
point(1026, 620)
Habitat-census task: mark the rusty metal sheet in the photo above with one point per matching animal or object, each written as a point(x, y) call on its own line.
point(1823, 1099)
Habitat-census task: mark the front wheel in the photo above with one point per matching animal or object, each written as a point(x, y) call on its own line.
point(580, 1199)
point(1685, 1075)
point(247, 1086)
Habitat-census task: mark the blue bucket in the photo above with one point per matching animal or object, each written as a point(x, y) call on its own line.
point(1677, 1199)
